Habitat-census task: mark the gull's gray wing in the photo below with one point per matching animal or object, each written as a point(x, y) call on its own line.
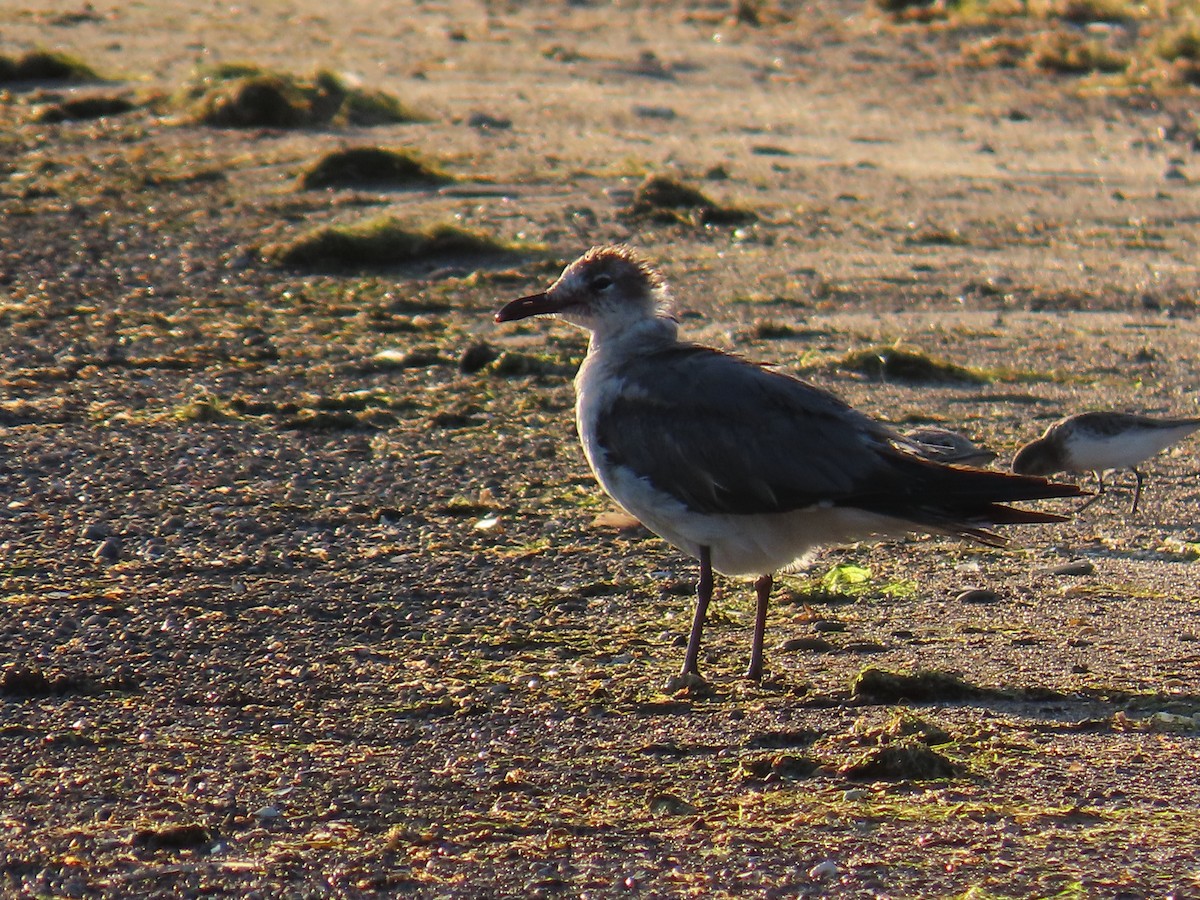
point(726, 436)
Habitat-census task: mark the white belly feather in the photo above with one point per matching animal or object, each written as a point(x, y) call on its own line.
point(1098, 452)
point(740, 544)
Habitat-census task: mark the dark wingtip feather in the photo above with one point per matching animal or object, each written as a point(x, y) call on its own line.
point(1011, 515)
point(1005, 487)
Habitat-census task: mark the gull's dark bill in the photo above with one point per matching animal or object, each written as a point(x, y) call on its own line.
point(524, 307)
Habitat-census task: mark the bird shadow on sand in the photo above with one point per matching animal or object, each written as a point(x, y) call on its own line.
point(1139, 554)
point(1089, 708)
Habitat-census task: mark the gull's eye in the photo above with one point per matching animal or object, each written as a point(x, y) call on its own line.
point(601, 283)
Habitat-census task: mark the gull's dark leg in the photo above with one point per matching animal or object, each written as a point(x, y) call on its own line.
point(1137, 491)
point(689, 675)
point(762, 588)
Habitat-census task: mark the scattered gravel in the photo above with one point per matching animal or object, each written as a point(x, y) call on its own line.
point(307, 590)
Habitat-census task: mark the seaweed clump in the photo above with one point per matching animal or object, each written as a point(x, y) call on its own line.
point(29, 682)
point(246, 96)
point(383, 241)
point(926, 686)
point(370, 167)
point(83, 108)
point(907, 760)
point(667, 201)
point(1068, 53)
point(45, 65)
point(184, 836)
point(895, 363)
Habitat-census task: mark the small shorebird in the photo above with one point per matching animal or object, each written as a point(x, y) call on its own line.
point(944, 445)
point(744, 468)
point(1098, 441)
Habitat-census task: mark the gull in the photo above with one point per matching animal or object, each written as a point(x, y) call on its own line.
point(746, 469)
point(1098, 441)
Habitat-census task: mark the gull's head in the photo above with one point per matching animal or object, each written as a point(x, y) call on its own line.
point(607, 289)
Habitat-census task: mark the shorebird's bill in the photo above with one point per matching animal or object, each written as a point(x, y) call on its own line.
point(524, 307)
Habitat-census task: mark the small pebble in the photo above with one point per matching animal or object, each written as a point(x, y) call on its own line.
point(485, 122)
point(1078, 567)
point(855, 794)
point(489, 525)
point(827, 625)
point(619, 521)
point(977, 595)
point(416, 358)
point(823, 870)
point(96, 531)
point(476, 356)
point(865, 647)
point(109, 550)
point(813, 644)
point(267, 813)
point(669, 805)
point(665, 113)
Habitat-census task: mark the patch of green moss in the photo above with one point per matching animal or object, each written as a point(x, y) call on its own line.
point(1172, 58)
point(45, 65)
point(978, 892)
point(1075, 12)
point(364, 107)
point(371, 167)
point(415, 358)
point(246, 96)
point(997, 51)
point(662, 199)
point(325, 420)
point(896, 363)
point(1161, 50)
point(1179, 42)
point(1069, 53)
point(203, 409)
point(902, 725)
point(348, 410)
point(778, 767)
point(383, 241)
point(513, 363)
point(669, 805)
point(935, 236)
point(1087, 12)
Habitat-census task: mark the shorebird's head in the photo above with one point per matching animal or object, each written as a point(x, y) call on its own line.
point(606, 289)
point(1041, 457)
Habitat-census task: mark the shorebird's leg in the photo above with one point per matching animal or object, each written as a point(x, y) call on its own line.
point(1137, 491)
point(1099, 490)
point(762, 587)
point(689, 675)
